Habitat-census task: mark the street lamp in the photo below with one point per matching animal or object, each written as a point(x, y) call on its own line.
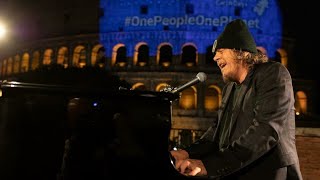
point(2, 31)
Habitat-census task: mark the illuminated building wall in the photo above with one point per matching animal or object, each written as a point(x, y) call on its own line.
point(178, 22)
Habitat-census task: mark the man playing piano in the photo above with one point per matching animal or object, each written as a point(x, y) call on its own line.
point(255, 134)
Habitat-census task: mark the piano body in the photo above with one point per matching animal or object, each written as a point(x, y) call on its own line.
point(59, 132)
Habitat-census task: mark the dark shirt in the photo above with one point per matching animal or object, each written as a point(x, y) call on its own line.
point(226, 123)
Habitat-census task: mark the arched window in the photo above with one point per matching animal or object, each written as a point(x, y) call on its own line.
point(212, 98)
point(79, 56)
point(4, 68)
point(301, 102)
point(63, 57)
point(164, 56)
point(189, 56)
point(35, 60)
point(25, 63)
point(47, 57)
point(143, 55)
point(98, 54)
point(188, 99)
point(139, 86)
point(16, 64)
point(282, 54)
point(9, 66)
point(119, 55)
point(161, 86)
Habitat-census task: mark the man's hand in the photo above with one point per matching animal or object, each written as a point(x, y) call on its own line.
point(186, 166)
point(192, 167)
point(179, 156)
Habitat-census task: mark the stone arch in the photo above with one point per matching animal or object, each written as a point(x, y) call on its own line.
point(25, 62)
point(189, 55)
point(116, 57)
point(188, 98)
point(161, 86)
point(283, 56)
point(213, 97)
point(139, 86)
point(164, 54)
point(301, 102)
point(16, 63)
point(47, 57)
point(95, 53)
point(9, 66)
point(63, 56)
point(79, 56)
point(35, 60)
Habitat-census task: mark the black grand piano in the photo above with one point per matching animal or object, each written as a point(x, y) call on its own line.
point(83, 131)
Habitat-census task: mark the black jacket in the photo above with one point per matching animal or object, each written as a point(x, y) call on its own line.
point(262, 139)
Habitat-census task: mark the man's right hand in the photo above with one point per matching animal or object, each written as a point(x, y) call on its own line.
point(179, 155)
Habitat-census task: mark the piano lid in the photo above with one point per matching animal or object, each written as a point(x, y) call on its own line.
point(11, 87)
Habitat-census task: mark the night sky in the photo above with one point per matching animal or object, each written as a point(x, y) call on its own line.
point(300, 23)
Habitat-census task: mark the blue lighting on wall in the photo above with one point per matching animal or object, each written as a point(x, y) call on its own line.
point(186, 21)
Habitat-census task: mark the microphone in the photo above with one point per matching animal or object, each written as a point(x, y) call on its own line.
point(201, 77)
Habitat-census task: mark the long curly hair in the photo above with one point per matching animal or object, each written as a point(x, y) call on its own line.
point(250, 58)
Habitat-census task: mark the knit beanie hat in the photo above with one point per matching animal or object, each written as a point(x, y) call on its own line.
point(235, 35)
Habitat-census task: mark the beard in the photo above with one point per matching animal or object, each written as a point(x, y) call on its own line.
point(228, 78)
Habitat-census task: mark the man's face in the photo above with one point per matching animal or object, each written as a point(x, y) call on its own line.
point(229, 66)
